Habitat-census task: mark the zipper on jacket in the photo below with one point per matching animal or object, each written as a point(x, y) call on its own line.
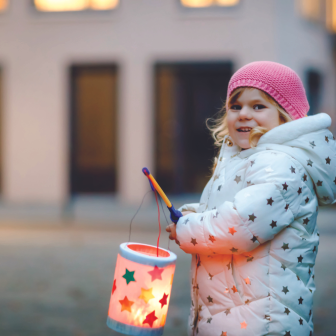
point(234, 277)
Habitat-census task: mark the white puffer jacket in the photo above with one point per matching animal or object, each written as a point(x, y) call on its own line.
point(253, 235)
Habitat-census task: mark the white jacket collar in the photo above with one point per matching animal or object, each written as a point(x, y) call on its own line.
point(294, 129)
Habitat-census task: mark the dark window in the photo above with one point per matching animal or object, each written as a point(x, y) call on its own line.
point(314, 90)
point(93, 129)
point(186, 95)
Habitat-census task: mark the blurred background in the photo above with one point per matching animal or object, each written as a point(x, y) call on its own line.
point(91, 91)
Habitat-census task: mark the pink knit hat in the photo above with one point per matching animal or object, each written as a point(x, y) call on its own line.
point(279, 81)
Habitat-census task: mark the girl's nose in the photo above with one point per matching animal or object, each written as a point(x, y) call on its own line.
point(245, 113)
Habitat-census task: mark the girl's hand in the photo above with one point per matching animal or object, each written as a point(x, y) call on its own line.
point(172, 227)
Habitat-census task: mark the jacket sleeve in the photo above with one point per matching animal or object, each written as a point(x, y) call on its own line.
point(269, 203)
point(189, 207)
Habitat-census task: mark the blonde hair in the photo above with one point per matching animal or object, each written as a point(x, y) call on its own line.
point(219, 128)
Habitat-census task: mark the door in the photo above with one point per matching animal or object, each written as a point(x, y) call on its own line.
point(187, 94)
point(93, 129)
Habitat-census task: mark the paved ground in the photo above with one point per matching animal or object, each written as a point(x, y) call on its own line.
point(56, 281)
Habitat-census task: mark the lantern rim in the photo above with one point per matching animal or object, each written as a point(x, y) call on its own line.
point(137, 252)
point(129, 329)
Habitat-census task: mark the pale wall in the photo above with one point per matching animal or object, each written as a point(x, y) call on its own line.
point(36, 50)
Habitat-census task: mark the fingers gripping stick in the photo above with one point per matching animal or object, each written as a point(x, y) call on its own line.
point(174, 214)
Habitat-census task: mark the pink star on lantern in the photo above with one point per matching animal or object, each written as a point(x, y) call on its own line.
point(156, 273)
point(114, 286)
point(163, 301)
point(150, 318)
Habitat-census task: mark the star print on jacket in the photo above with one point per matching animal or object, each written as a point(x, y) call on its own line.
point(285, 289)
point(263, 209)
point(237, 179)
point(232, 231)
point(212, 238)
point(285, 246)
point(252, 217)
point(270, 201)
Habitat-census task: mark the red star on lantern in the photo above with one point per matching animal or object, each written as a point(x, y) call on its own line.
point(156, 273)
point(150, 318)
point(126, 304)
point(234, 289)
point(114, 286)
point(163, 301)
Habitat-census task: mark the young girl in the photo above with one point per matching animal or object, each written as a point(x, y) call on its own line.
point(253, 235)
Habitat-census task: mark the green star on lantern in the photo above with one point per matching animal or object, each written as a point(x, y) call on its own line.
point(129, 276)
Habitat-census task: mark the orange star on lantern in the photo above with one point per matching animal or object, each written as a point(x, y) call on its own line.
point(150, 319)
point(126, 304)
point(156, 273)
point(212, 238)
point(146, 294)
point(234, 289)
point(114, 286)
point(247, 281)
point(232, 230)
point(224, 333)
point(243, 325)
point(163, 301)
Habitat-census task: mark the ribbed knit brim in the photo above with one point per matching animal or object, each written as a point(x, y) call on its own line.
point(279, 81)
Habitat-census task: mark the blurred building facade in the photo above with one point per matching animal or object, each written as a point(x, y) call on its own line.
point(93, 93)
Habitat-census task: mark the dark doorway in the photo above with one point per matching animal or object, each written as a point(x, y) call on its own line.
point(93, 128)
point(314, 90)
point(186, 95)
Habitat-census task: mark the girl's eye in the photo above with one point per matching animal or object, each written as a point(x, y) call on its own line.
point(235, 107)
point(259, 107)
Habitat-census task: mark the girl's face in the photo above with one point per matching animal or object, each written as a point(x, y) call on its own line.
point(249, 110)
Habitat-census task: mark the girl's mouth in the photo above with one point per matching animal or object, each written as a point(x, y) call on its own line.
point(244, 129)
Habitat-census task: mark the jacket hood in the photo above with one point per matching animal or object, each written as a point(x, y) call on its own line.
point(308, 141)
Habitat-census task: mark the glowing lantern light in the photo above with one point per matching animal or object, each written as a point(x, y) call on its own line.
point(141, 289)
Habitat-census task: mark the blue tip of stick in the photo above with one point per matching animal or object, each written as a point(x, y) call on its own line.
point(145, 171)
